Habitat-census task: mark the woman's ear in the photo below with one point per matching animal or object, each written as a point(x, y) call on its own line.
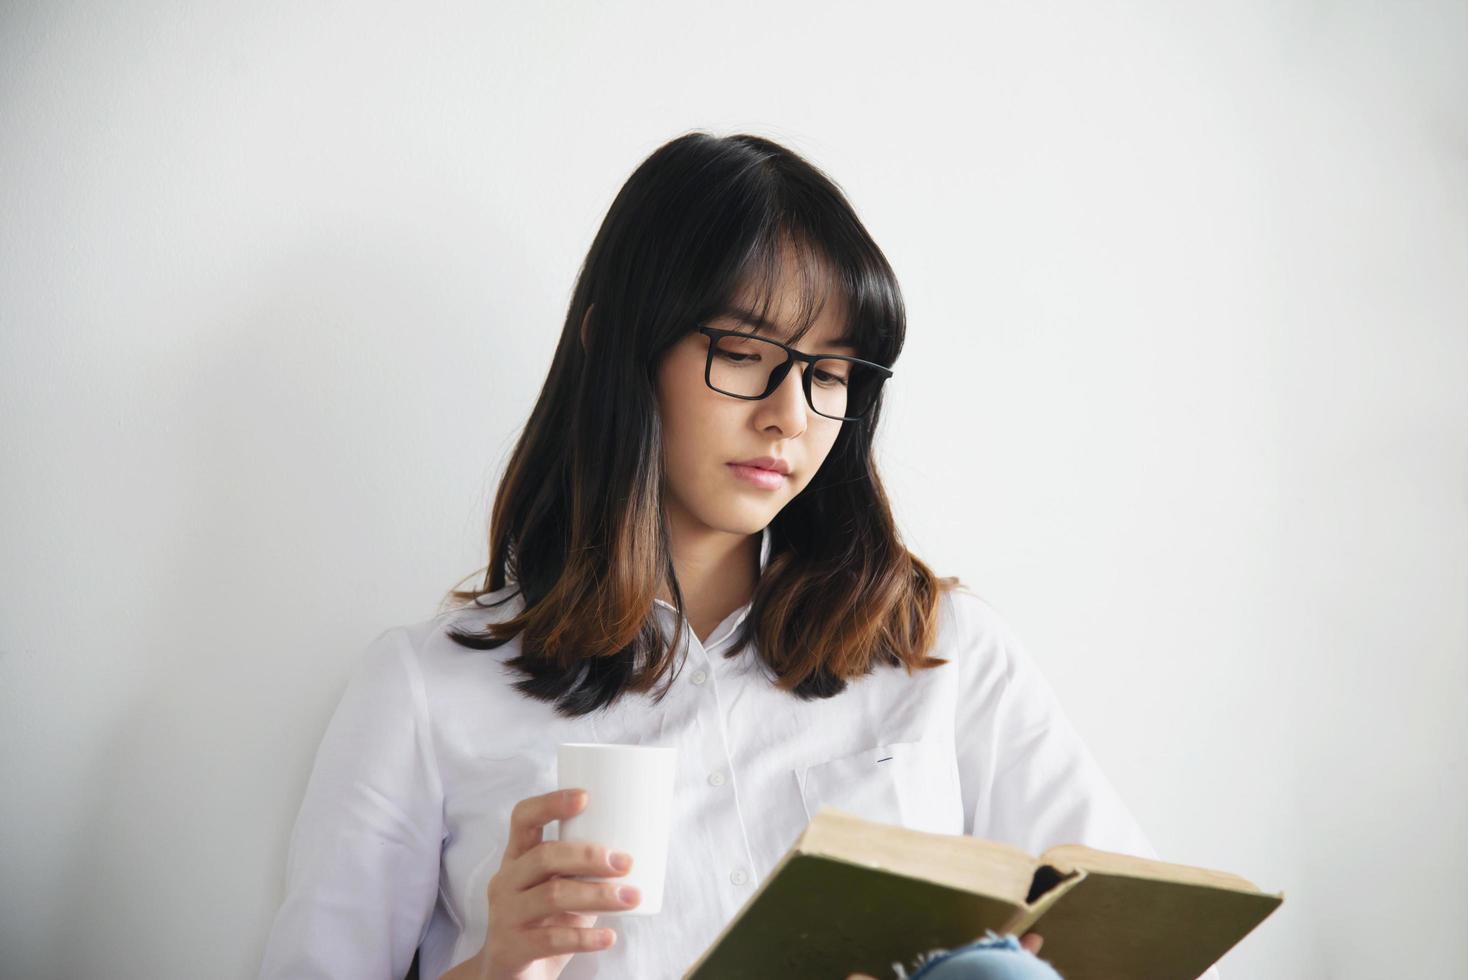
point(585, 329)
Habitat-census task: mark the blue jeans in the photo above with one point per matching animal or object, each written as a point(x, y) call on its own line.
point(994, 957)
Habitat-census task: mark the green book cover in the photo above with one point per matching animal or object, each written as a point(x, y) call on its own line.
point(853, 895)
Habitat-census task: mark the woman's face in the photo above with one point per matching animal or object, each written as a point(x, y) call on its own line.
point(705, 431)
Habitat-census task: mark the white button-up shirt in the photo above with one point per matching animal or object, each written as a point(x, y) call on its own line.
point(407, 809)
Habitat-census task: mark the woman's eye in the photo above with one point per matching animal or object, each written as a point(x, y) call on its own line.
point(736, 357)
point(826, 378)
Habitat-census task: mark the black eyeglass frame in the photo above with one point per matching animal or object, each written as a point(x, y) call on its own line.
point(777, 375)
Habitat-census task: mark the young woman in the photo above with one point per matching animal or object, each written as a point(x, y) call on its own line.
point(691, 547)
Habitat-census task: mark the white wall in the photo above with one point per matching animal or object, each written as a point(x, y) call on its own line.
point(1184, 397)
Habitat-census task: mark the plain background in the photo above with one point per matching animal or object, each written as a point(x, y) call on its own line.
point(1184, 397)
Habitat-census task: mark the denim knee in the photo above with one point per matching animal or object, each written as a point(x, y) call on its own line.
point(994, 957)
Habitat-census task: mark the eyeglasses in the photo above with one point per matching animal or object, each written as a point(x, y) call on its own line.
point(745, 366)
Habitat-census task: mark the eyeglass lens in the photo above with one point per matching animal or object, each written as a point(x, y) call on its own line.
point(741, 366)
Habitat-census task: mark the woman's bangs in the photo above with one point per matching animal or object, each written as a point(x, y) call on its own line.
point(826, 281)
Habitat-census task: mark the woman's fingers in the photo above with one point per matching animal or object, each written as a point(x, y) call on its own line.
point(569, 895)
point(529, 817)
point(581, 920)
point(560, 857)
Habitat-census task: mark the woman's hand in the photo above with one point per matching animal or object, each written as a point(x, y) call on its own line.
point(539, 919)
point(1030, 941)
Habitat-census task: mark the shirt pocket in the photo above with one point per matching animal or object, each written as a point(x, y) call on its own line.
point(911, 784)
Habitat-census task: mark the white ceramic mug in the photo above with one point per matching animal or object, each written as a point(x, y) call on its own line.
point(629, 807)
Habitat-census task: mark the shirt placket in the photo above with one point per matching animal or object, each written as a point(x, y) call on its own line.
point(711, 679)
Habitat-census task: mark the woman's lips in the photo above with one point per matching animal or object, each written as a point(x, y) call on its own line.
point(753, 475)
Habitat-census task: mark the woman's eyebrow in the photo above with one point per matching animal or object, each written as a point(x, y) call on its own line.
point(844, 342)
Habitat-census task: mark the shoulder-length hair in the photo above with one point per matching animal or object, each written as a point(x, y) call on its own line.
point(578, 523)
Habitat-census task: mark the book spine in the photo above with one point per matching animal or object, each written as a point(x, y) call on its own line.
point(1026, 916)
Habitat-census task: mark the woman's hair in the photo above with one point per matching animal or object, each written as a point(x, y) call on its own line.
point(578, 521)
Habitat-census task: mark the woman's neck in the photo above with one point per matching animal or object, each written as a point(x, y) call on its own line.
point(716, 570)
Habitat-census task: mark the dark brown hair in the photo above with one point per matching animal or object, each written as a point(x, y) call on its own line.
point(578, 525)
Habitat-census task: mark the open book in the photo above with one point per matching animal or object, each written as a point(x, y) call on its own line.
point(852, 895)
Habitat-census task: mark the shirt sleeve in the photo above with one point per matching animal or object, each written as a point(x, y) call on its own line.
point(362, 869)
point(1028, 778)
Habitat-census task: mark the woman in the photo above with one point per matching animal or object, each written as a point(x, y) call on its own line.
point(691, 546)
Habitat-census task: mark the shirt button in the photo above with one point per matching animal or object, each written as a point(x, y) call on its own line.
point(738, 876)
point(716, 778)
point(699, 677)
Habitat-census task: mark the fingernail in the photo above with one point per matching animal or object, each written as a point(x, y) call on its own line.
point(627, 894)
point(577, 797)
point(621, 860)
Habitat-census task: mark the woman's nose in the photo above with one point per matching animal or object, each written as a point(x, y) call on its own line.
point(786, 404)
